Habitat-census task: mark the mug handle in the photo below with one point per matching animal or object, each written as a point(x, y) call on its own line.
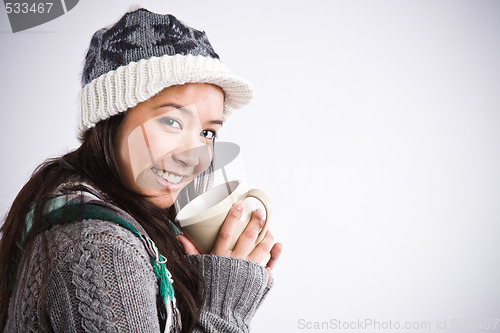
point(264, 199)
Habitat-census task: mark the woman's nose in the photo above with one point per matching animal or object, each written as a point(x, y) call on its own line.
point(187, 157)
point(191, 153)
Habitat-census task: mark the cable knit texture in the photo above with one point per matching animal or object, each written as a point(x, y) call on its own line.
point(235, 289)
point(100, 279)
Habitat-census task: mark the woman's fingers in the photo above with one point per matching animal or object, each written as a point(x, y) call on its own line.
point(223, 241)
point(263, 249)
point(245, 246)
point(189, 248)
point(246, 241)
point(275, 254)
point(270, 273)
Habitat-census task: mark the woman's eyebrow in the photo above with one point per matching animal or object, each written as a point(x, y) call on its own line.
point(216, 122)
point(177, 106)
point(188, 112)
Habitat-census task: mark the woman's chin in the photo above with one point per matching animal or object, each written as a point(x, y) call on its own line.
point(162, 201)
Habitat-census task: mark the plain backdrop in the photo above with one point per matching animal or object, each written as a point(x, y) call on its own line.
point(375, 131)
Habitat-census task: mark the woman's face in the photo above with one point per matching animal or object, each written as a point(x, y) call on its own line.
point(162, 144)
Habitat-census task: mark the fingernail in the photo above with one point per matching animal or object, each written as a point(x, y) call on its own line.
point(259, 213)
point(238, 205)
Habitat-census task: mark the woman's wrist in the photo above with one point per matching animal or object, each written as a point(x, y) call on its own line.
point(235, 287)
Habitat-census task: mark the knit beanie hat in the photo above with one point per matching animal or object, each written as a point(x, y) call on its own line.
point(142, 54)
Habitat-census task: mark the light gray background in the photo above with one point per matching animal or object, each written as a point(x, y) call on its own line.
point(375, 131)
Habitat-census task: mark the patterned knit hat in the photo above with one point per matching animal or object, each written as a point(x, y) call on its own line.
point(142, 54)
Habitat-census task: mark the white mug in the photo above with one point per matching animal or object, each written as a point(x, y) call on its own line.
point(202, 218)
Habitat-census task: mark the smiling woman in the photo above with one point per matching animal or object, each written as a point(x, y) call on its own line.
point(164, 143)
point(88, 244)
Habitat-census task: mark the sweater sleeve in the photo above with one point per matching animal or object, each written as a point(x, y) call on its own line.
point(100, 280)
point(235, 288)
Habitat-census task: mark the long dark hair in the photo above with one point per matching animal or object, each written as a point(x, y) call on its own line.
point(94, 162)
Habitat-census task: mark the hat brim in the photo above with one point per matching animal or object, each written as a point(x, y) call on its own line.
point(118, 90)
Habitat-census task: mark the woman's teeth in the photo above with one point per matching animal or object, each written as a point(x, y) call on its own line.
point(171, 178)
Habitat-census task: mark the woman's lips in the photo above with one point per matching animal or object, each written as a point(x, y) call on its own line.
point(169, 180)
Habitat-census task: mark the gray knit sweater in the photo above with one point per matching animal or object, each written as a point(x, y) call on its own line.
point(101, 280)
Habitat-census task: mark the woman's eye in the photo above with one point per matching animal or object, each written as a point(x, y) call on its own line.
point(171, 122)
point(208, 134)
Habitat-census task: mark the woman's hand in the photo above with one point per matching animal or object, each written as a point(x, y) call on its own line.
point(244, 246)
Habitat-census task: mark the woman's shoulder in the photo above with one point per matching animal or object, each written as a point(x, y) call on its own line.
point(79, 212)
point(97, 238)
point(93, 230)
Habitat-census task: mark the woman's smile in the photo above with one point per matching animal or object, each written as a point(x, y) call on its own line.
point(168, 176)
point(170, 181)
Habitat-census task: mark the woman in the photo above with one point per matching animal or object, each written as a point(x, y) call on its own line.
point(88, 244)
